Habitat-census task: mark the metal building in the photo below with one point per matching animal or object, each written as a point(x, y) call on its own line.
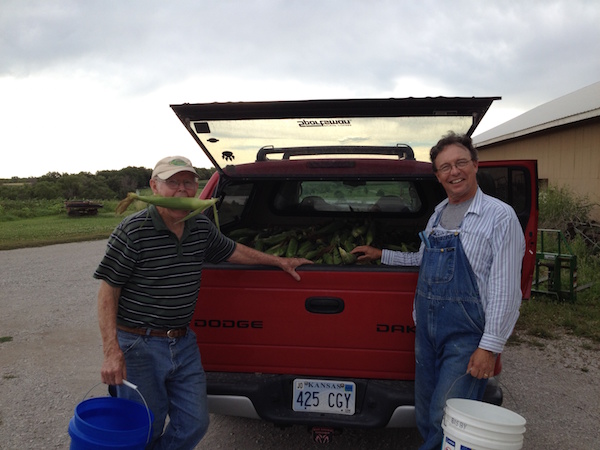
point(563, 135)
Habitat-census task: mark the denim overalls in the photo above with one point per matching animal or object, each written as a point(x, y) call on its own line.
point(450, 323)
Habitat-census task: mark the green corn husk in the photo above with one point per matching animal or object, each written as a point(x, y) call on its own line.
point(347, 257)
point(292, 248)
point(305, 248)
point(370, 234)
point(337, 258)
point(276, 238)
point(359, 230)
point(327, 258)
point(277, 249)
point(313, 254)
point(195, 205)
point(348, 244)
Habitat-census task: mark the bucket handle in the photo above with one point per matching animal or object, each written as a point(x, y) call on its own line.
point(451, 387)
point(130, 385)
point(501, 383)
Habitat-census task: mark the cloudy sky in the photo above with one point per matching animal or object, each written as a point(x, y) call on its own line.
point(85, 85)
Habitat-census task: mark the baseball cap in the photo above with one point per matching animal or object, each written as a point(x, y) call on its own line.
point(169, 166)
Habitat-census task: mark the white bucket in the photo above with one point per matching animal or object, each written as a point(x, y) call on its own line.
point(474, 425)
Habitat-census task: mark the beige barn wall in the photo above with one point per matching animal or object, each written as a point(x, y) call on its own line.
point(567, 156)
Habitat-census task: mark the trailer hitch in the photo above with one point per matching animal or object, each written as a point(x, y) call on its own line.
point(324, 435)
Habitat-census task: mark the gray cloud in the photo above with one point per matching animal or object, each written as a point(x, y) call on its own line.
point(468, 46)
point(528, 52)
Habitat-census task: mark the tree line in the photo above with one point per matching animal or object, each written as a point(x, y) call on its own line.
point(104, 185)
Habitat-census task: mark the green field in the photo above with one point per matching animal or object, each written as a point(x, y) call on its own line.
point(39, 231)
point(48, 227)
point(35, 223)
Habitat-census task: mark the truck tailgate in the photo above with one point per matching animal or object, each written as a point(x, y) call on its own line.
point(350, 322)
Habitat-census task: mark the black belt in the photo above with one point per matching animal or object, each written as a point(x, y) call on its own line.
point(170, 333)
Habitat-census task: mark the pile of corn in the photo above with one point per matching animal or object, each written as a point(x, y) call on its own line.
point(328, 244)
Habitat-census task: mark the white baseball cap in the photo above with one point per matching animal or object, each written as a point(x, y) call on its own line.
point(169, 166)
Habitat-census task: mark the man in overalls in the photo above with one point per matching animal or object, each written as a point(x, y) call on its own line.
point(468, 294)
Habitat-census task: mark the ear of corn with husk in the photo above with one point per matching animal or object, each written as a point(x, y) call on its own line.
point(329, 243)
point(195, 205)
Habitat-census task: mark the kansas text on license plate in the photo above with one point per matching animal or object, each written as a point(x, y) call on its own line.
point(326, 396)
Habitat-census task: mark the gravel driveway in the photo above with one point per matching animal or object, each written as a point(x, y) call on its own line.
point(48, 307)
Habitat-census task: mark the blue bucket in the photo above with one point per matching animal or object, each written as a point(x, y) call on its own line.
point(110, 423)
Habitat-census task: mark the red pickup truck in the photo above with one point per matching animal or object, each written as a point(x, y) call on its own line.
point(315, 178)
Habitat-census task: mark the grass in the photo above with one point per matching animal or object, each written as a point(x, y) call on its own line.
point(58, 229)
point(544, 317)
point(38, 223)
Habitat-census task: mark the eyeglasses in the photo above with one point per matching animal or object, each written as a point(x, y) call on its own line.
point(460, 164)
point(174, 184)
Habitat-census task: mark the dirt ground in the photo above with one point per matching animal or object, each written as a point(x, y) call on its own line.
point(48, 308)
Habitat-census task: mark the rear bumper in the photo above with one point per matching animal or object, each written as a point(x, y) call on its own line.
point(379, 403)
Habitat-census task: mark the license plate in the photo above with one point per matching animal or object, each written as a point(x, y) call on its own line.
point(324, 396)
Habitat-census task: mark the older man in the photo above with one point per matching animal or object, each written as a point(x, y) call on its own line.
point(150, 279)
point(468, 292)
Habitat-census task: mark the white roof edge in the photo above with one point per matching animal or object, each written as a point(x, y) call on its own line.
point(543, 126)
point(574, 107)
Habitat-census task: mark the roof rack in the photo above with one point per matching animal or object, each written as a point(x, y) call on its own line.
point(403, 151)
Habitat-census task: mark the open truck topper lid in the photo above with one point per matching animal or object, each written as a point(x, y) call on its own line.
point(246, 132)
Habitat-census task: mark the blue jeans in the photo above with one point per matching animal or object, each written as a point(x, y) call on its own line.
point(170, 376)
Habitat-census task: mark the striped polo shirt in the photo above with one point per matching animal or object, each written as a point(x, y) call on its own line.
point(159, 275)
